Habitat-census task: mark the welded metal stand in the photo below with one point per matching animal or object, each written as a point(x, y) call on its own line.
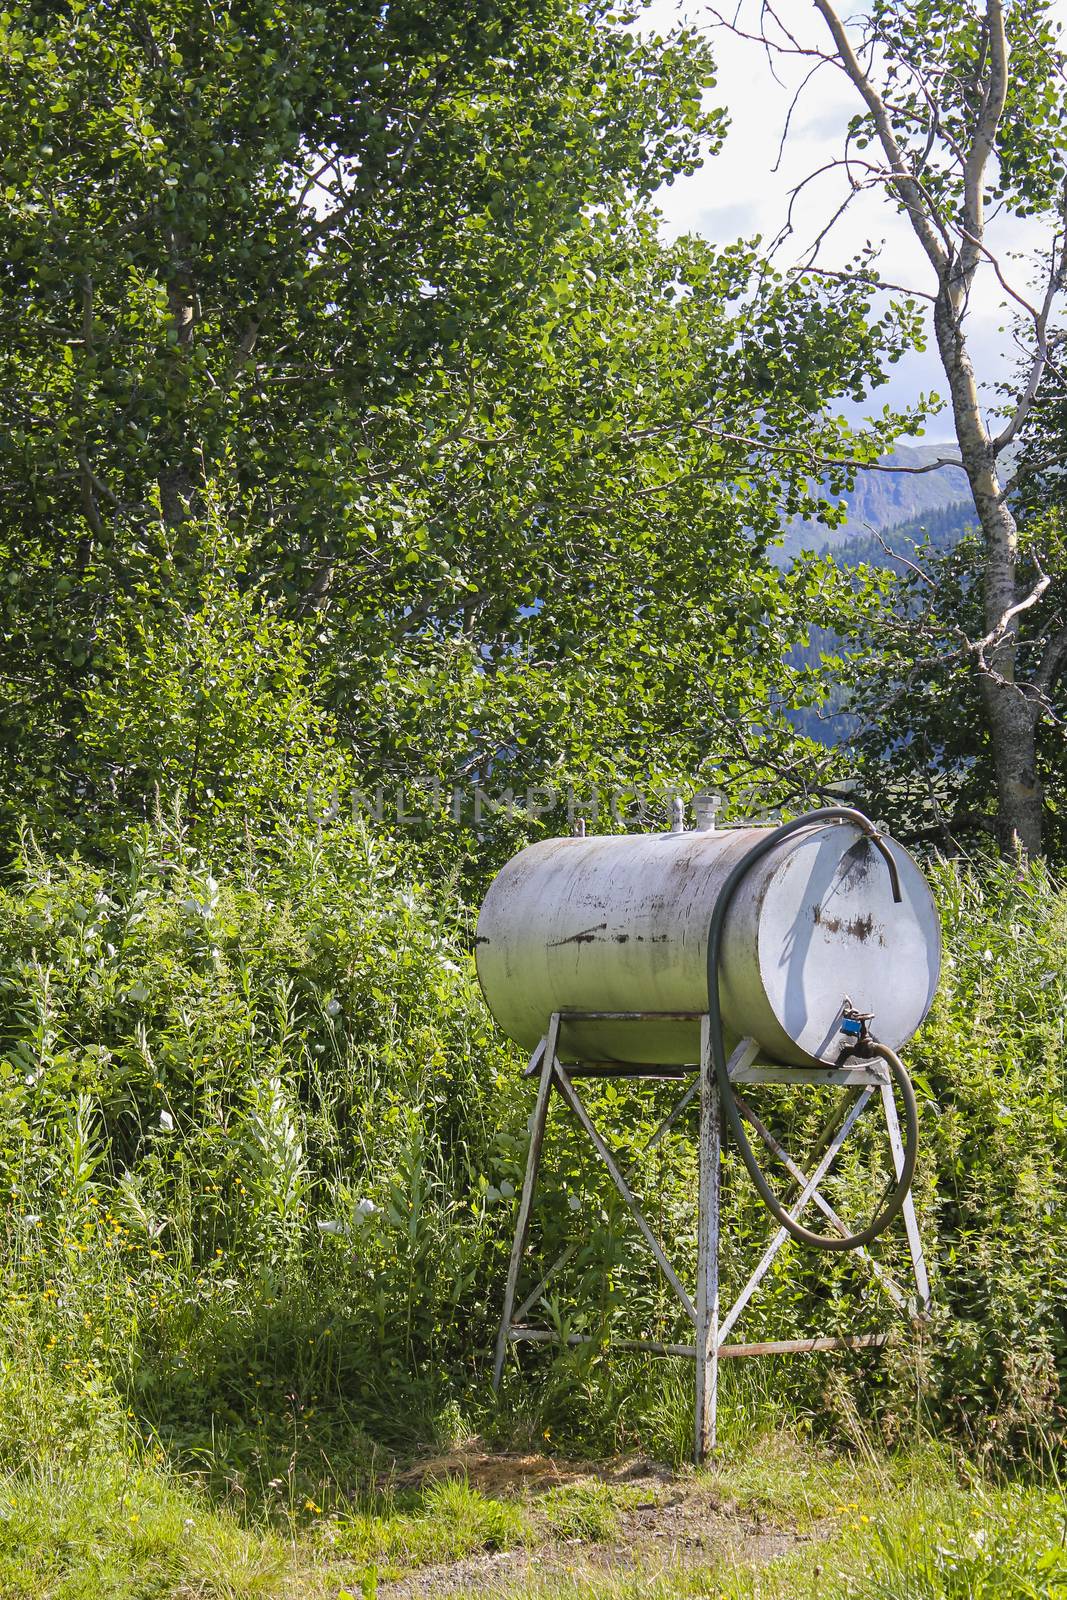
point(866, 1078)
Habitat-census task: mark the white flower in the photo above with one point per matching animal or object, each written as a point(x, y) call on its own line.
point(331, 1227)
point(987, 955)
point(332, 1007)
point(166, 1122)
point(365, 1208)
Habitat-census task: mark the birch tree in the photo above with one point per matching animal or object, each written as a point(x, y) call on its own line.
point(960, 120)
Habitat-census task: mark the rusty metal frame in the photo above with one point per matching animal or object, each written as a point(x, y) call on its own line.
point(710, 1332)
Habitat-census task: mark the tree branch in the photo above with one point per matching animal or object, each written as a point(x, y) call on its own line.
point(1056, 279)
point(1054, 657)
point(909, 189)
point(985, 132)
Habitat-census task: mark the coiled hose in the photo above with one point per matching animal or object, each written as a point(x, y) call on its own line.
point(895, 1201)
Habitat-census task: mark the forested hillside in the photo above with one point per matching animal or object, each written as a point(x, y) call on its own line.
point(884, 498)
point(896, 550)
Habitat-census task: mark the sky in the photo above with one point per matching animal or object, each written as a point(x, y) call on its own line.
point(737, 194)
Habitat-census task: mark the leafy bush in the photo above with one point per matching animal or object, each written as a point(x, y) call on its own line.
point(249, 1128)
point(261, 1143)
point(992, 1062)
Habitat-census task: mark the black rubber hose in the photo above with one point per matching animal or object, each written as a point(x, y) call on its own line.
point(882, 1220)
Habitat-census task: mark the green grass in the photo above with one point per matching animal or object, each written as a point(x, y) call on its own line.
point(936, 1541)
point(584, 1511)
point(106, 1528)
point(80, 1525)
point(259, 1148)
point(446, 1522)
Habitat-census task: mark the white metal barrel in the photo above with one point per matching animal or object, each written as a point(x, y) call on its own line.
point(620, 923)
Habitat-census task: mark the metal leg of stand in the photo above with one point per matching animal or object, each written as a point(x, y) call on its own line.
point(911, 1225)
point(707, 1324)
point(549, 1046)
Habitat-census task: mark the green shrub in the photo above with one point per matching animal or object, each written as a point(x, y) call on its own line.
point(260, 1142)
point(250, 1127)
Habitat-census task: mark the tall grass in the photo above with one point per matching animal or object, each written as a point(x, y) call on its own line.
point(260, 1143)
point(249, 1129)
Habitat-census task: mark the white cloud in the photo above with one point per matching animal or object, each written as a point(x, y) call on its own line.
point(739, 193)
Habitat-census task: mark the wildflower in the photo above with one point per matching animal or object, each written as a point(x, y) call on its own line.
point(166, 1122)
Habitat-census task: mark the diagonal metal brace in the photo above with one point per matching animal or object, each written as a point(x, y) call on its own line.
point(572, 1249)
point(570, 1094)
point(892, 1289)
point(851, 1118)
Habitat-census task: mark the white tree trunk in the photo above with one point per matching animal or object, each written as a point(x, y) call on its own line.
point(1011, 708)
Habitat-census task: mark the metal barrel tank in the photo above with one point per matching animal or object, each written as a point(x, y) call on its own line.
point(621, 922)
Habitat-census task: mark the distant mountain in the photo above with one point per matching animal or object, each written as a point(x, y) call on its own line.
point(884, 500)
point(940, 529)
point(937, 530)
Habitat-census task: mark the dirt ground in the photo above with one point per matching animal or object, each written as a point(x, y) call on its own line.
point(673, 1520)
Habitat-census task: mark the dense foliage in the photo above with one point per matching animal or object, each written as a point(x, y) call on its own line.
point(894, 687)
point(855, 669)
point(349, 395)
point(261, 1141)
